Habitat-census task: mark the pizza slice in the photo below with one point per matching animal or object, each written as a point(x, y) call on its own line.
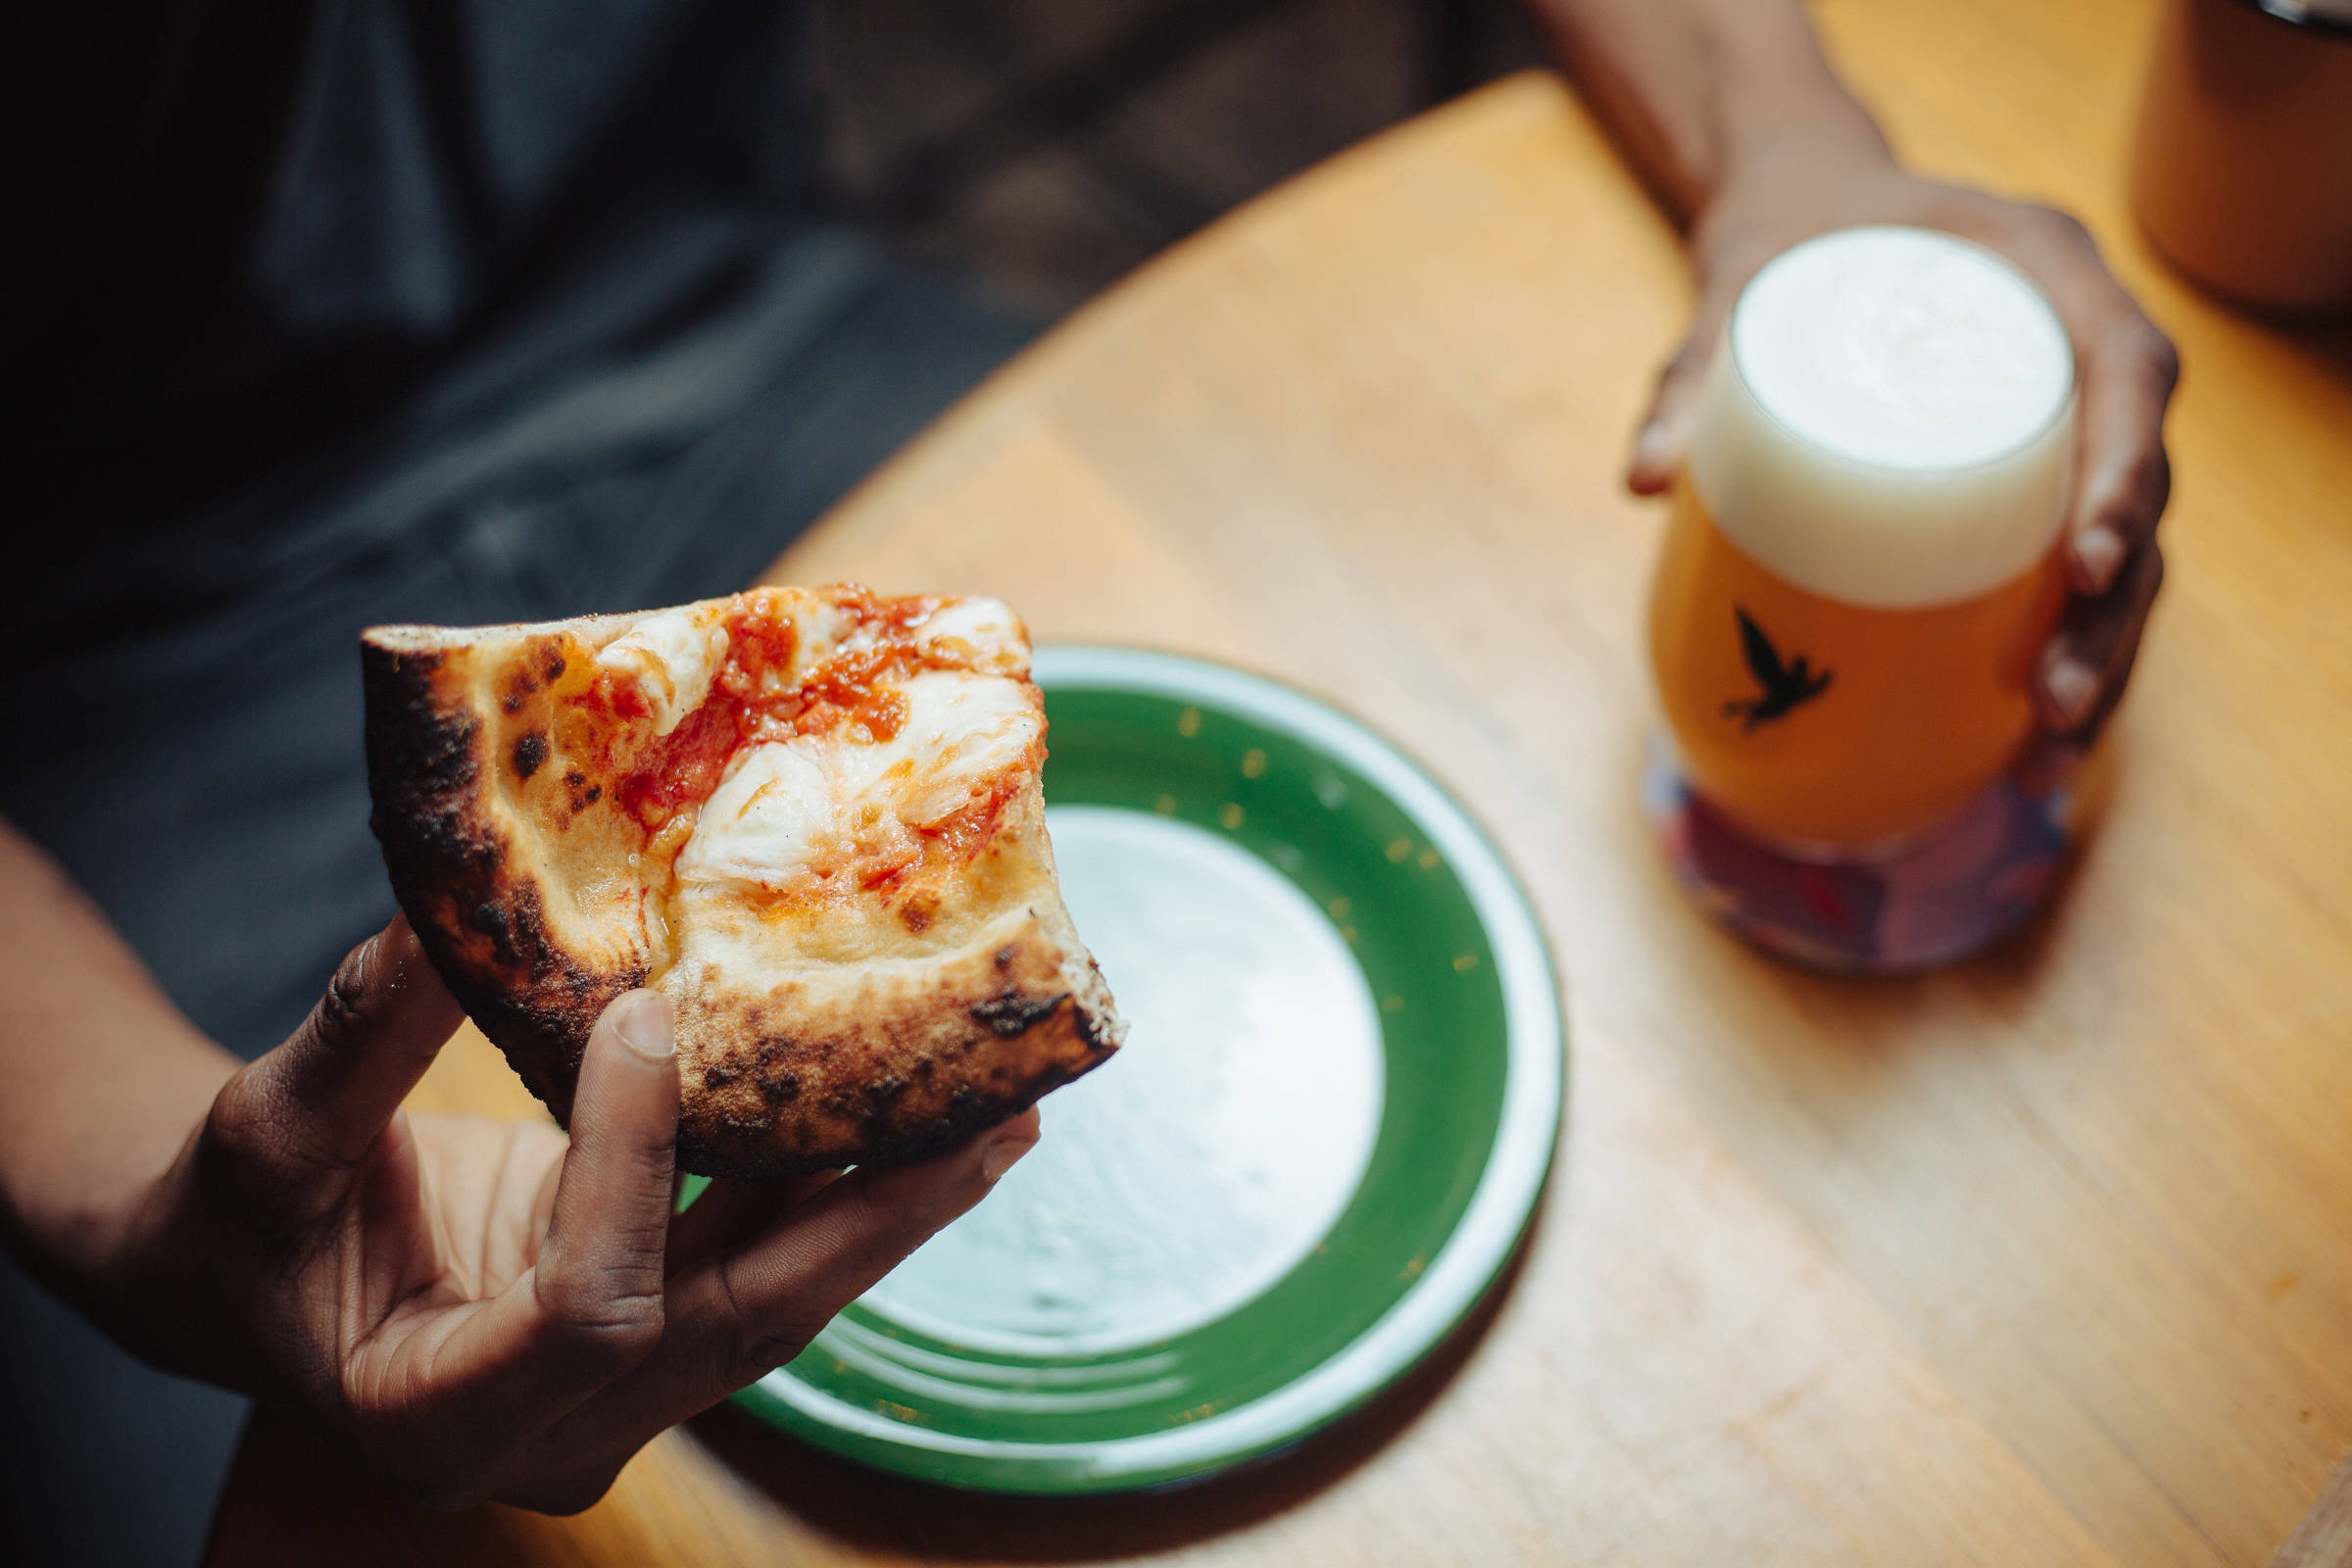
point(809, 818)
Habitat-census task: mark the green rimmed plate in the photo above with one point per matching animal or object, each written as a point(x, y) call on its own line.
point(1333, 1117)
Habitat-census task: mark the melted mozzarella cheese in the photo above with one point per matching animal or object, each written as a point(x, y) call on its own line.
point(961, 732)
point(823, 631)
point(978, 633)
point(672, 656)
point(786, 808)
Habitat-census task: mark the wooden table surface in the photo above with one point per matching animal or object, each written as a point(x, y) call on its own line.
point(2045, 1259)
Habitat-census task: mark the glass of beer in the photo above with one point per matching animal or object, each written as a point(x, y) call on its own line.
point(1859, 572)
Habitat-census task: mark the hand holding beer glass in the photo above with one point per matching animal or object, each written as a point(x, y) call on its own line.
point(1860, 573)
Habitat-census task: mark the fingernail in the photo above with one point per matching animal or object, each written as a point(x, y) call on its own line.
point(644, 1026)
point(2073, 686)
point(1001, 1155)
point(2100, 552)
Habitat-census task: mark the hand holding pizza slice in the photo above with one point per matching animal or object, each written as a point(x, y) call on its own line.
point(808, 817)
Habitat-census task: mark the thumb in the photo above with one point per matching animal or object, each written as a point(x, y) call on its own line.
point(592, 1304)
point(1664, 437)
point(334, 1085)
point(598, 1285)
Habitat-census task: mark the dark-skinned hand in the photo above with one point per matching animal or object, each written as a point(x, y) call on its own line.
point(476, 1309)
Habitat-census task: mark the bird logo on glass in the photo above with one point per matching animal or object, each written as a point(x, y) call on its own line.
point(1782, 688)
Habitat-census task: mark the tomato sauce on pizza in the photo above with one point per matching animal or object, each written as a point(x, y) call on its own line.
point(814, 693)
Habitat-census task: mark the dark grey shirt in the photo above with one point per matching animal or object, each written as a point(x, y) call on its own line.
point(279, 250)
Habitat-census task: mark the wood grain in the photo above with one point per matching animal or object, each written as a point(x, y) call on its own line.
point(2045, 1259)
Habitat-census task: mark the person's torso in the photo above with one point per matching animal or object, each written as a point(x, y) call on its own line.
point(253, 230)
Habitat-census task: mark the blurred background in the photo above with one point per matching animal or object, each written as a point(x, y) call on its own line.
point(1046, 147)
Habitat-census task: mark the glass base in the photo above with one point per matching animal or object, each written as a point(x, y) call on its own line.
point(1934, 901)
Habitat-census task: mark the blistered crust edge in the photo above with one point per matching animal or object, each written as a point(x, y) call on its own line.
point(882, 1074)
point(451, 859)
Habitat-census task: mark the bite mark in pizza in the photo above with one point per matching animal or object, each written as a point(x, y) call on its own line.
point(809, 818)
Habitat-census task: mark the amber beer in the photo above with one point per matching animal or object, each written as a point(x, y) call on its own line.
point(1861, 562)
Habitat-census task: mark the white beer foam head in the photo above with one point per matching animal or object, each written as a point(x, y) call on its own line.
point(1889, 421)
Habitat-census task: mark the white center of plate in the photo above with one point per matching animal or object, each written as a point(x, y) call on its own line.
point(1195, 1167)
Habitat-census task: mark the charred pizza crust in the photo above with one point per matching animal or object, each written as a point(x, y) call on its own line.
point(875, 1029)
